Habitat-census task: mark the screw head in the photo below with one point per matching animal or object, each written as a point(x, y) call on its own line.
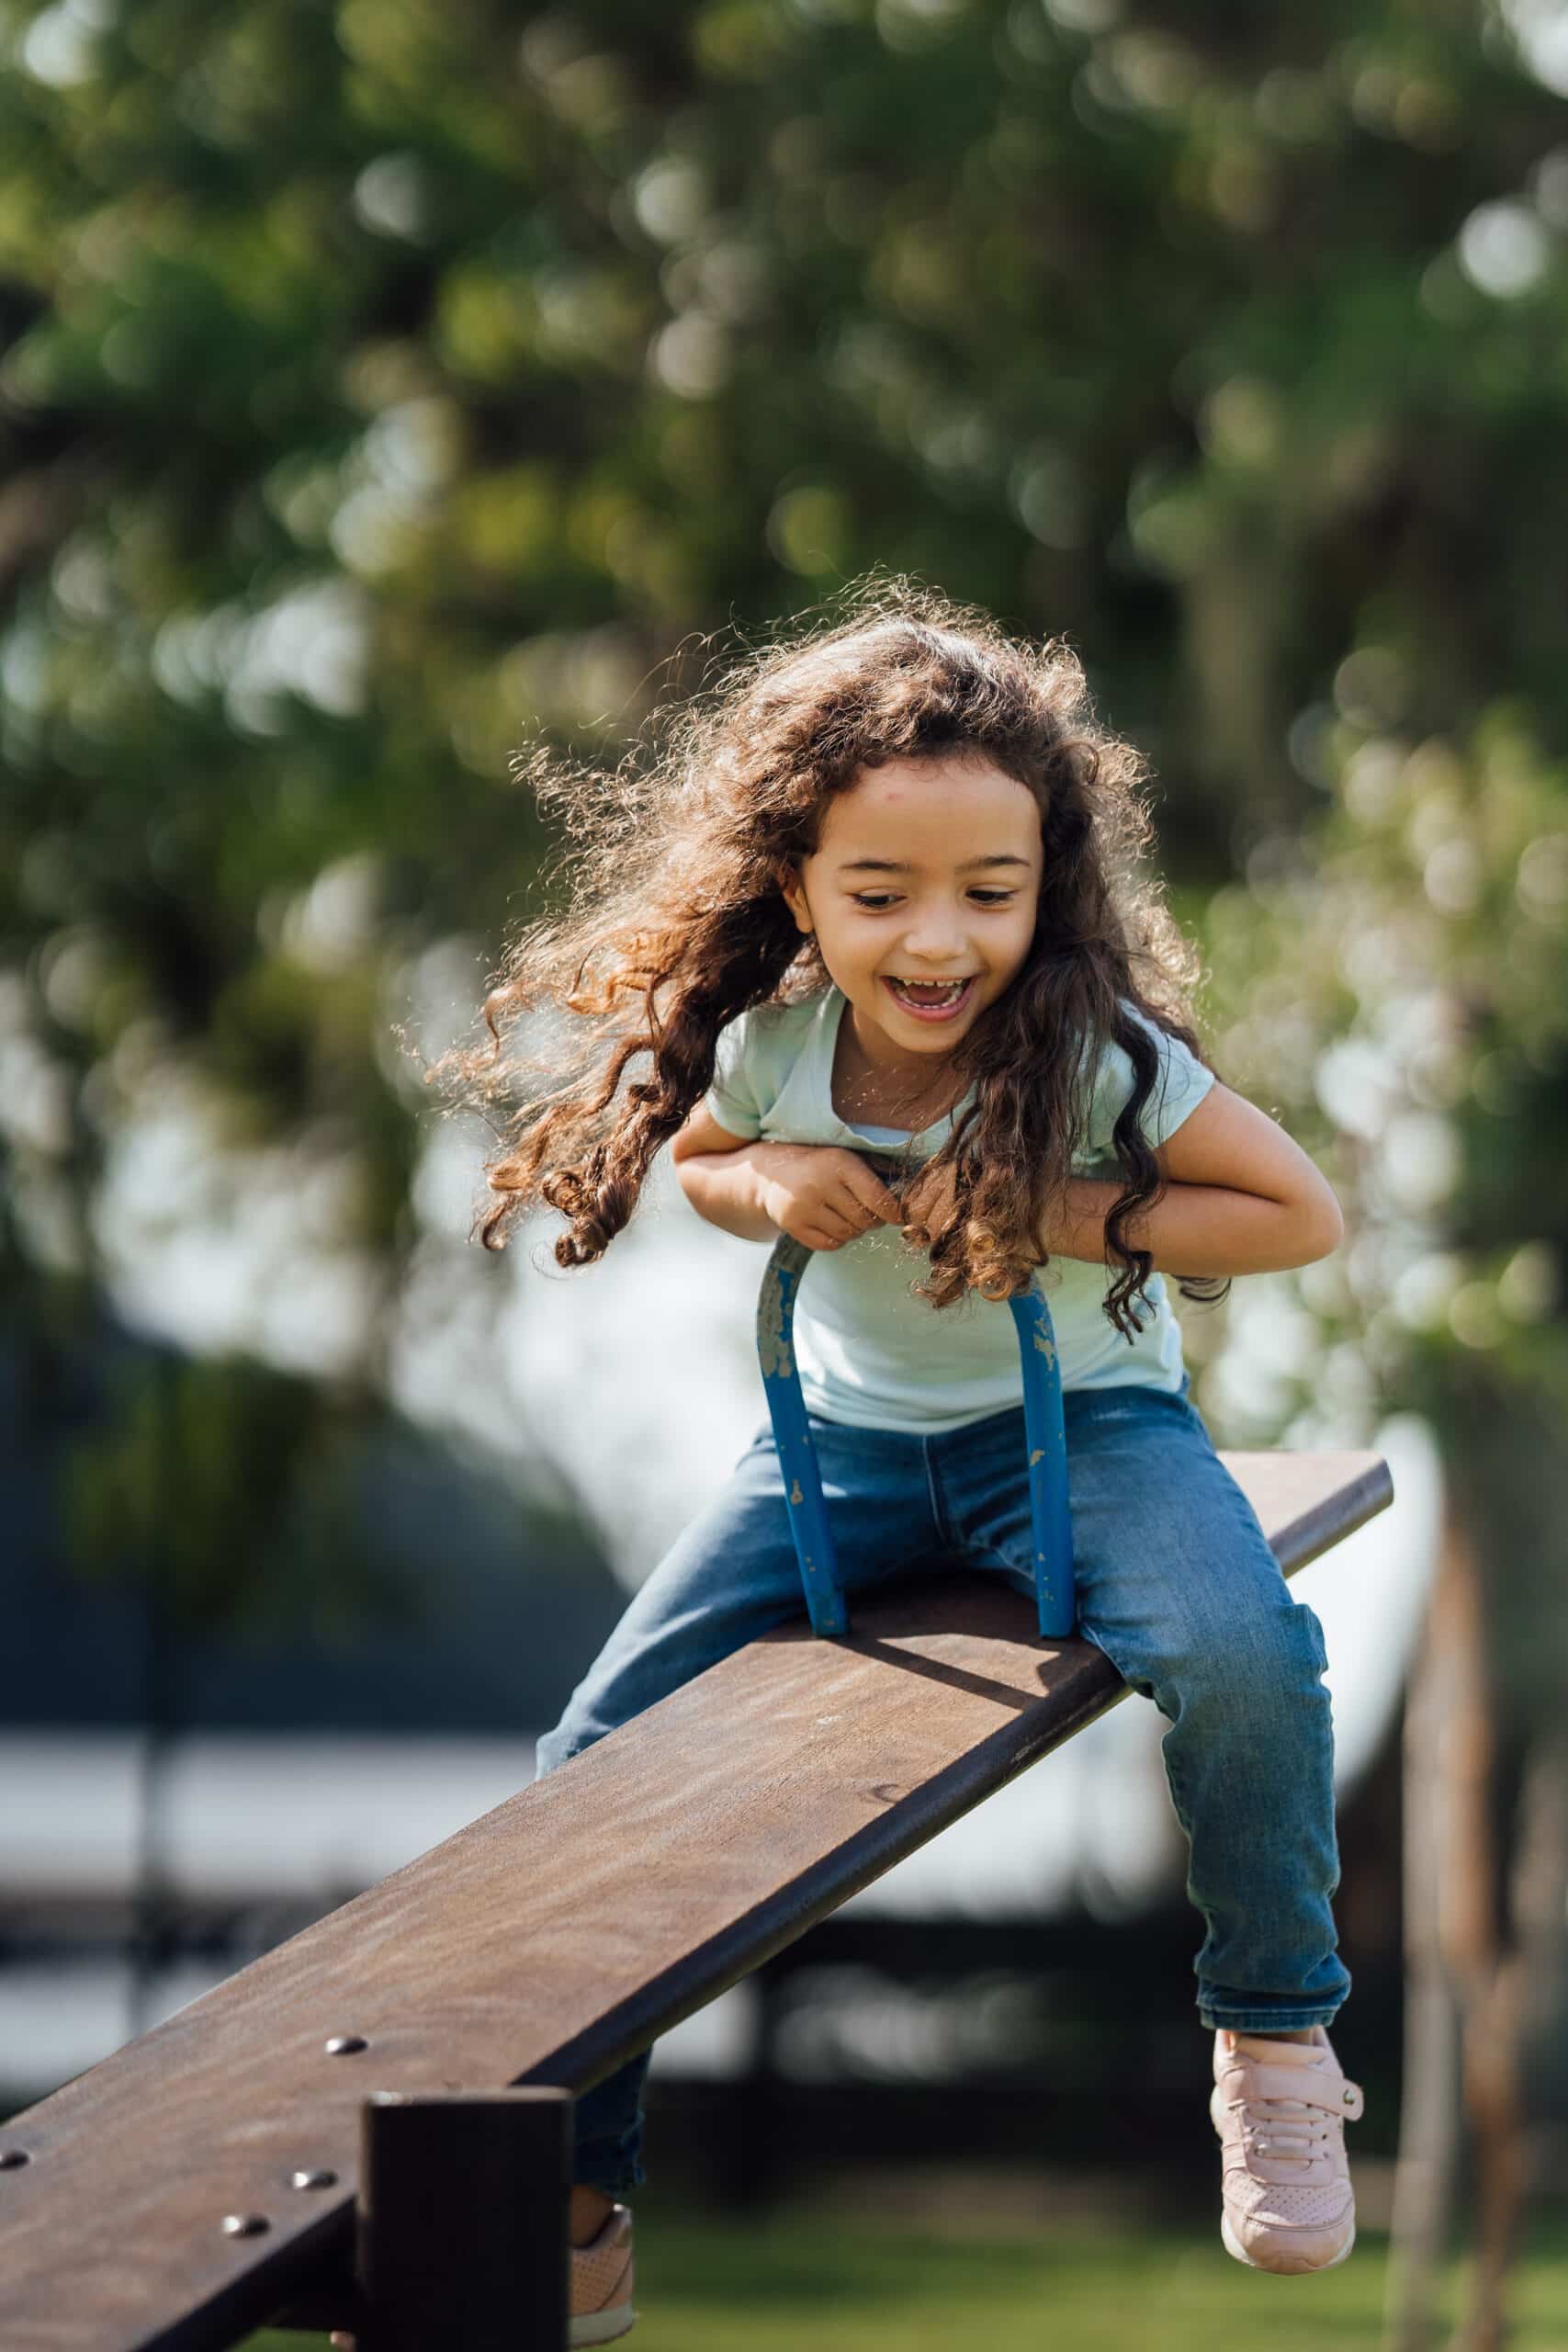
point(312, 2176)
point(244, 2225)
point(344, 2045)
point(11, 2157)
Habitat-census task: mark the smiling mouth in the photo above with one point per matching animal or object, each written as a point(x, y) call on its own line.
point(954, 994)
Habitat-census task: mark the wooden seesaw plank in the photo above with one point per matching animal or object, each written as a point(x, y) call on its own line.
point(549, 1939)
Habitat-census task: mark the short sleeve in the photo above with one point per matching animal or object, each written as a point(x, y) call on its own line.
point(1180, 1083)
point(732, 1097)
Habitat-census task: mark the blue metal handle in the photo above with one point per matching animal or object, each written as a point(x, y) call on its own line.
point(1044, 1429)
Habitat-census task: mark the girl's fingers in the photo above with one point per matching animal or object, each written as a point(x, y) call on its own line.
point(878, 1205)
point(856, 1214)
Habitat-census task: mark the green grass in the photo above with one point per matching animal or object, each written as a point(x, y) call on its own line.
point(806, 2282)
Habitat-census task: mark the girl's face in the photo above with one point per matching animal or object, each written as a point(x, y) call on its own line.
point(925, 870)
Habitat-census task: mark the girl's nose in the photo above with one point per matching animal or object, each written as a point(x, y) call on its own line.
point(936, 943)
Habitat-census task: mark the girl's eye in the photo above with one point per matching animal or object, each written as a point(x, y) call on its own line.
point(874, 903)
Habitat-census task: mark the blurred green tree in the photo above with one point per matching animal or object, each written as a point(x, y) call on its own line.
point(385, 383)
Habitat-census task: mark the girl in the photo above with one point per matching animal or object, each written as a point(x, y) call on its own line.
point(879, 893)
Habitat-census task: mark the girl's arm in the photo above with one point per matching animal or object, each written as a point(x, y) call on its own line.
point(816, 1192)
point(721, 1176)
point(1195, 1229)
point(726, 1188)
point(1244, 1199)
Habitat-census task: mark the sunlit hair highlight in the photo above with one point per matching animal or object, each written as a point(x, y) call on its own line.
point(675, 923)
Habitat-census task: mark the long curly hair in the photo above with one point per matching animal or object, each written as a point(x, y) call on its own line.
point(675, 923)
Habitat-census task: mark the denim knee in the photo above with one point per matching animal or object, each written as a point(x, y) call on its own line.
point(1251, 1673)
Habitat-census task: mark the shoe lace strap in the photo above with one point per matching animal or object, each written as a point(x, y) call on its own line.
point(1297, 2131)
point(1286, 2129)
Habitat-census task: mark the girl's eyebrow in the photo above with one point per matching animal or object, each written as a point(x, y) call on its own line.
point(893, 866)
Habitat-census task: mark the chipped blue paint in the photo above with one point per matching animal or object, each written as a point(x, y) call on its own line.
point(1044, 1429)
point(1046, 1437)
point(792, 1433)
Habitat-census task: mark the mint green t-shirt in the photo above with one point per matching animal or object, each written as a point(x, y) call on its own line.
point(867, 1351)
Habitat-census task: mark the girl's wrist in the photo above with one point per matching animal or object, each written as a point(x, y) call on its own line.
point(726, 1188)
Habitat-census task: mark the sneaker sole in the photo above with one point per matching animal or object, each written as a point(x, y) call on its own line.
point(602, 2327)
point(1233, 2245)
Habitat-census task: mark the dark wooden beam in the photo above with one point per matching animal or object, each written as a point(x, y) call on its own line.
point(548, 1941)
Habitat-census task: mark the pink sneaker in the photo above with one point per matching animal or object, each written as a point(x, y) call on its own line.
point(1281, 2109)
point(601, 2282)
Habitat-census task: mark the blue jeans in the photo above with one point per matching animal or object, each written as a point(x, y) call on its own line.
point(1176, 1583)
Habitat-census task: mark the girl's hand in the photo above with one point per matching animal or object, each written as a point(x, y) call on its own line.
point(928, 1202)
point(822, 1194)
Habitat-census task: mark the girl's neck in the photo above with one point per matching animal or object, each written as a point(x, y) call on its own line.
point(913, 1095)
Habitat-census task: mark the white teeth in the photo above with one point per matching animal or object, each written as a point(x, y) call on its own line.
point(949, 996)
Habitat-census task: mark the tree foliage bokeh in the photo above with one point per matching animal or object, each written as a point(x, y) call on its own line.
point(386, 383)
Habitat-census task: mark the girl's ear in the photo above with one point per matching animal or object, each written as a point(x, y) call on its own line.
point(795, 895)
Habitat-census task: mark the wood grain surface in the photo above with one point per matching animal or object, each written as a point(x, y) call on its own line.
point(549, 1939)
